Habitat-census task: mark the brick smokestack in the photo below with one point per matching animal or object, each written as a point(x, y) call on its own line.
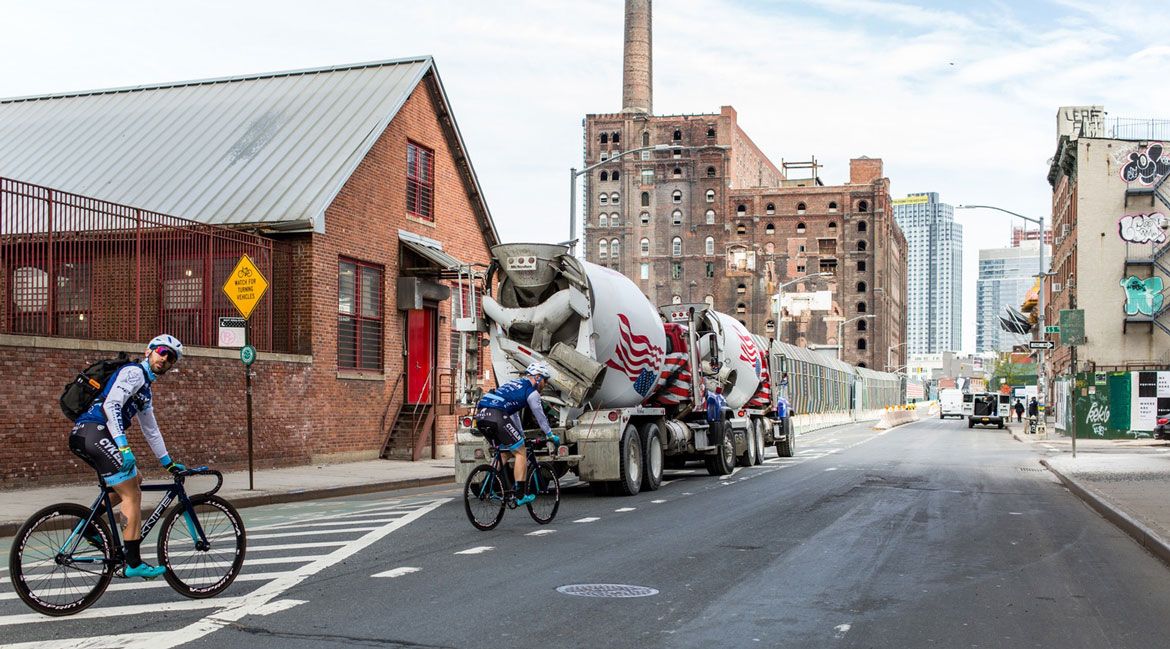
point(637, 73)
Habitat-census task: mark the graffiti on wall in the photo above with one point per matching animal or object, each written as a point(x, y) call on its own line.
point(1143, 228)
point(1098, 417)
point(1142, 296)
point(1144, 166)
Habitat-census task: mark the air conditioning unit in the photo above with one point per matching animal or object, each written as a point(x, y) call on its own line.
point(1063, 230)
point(1056, 287)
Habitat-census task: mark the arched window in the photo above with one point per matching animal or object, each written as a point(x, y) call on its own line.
point(644, 217)
point(644, 245)
point(645, 138)
point(861, 226)
point(677, 135)
point(615, 198)
point(710, 131)
point(862, 364)
point(741, 289)
point(861, 245)
point(770, 208)
point(710, 217)
point(676, 217)
point(603, 220)
point(676, 172)
point(676, 196)
point(740, 209)
point(676, 247)
point(800, 228)
point(833, 227)
point(769, 229)
point(676, 299)
point(800, 208)
point(769, 326)
point(770, 248)
point(709, 246)
point(861, 307)
point(740, 229)
point(645, 199)
point(861, 325)
point(603, 249)
point(710, 300)
point(604, 156)
point(604, 138)
point(616, 137)
point(613, 220)
point(710, 195)
point(615, 248)
point(860, 344)
point(604, 176)
point(616, 175)
point(741, 308)
point(603, 199)
point(833, 206)
point(861, 287)
point(710, 172)
point(863, 206)
point(861, 266)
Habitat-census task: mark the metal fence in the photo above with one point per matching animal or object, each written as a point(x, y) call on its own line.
point(1131, 128)
point(79, 267)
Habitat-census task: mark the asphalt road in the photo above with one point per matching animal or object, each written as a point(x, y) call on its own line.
point(929, 535)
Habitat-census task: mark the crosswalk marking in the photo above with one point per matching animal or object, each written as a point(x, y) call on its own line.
point(293, 546)
point(298, 524)
point(136, 584)
point(281, 535)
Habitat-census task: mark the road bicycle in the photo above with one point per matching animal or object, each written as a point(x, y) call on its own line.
point(65, 555)
point(488, 490)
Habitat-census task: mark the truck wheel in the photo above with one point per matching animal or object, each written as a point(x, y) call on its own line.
point(630, 463)
point(760, 448)
point(970, 423)
point(723, 462)
point(787, 448)
point(749, 446)
point(652, 452)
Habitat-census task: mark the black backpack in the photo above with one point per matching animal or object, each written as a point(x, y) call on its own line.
point(79, 394)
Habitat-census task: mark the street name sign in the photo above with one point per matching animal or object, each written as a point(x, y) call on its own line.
point(1041, 344)
point(1052, 329)
point(1072, 326)
point(245, 286)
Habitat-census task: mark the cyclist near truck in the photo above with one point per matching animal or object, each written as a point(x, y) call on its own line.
point(99, 438)
point(498, 419)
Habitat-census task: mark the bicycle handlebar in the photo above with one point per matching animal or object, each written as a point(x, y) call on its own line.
point(202, 470)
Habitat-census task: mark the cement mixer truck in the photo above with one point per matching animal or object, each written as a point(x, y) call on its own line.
point(628, 396)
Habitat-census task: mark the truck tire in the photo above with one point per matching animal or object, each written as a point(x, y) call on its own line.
point(723, 462)
point(787, 448)
point(652, 452)
point(629, 463)
point(760, 448)
point(970, 423)
point(749, 446)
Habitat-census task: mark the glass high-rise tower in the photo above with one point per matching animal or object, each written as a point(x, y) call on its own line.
point(934, 274)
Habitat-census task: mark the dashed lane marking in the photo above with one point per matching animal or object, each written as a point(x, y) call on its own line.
point(477, 550)
point(397, 572)
point(587, 519)
point(540, 532)
point(625, 509)
point(659, 502)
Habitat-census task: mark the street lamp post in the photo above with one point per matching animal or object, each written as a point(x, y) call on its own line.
point(890, 353)
point(841, 333)
point(574, 173)
point(780, 294)
point(1042, 374)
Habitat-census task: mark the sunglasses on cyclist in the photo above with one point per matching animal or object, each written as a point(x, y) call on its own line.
point(167, 353)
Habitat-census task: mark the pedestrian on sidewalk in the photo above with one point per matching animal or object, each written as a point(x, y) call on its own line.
point(1034, 408)
point(1019, 408)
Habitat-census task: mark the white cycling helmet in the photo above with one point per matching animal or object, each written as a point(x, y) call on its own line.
point(539, 368)
point(168, 341)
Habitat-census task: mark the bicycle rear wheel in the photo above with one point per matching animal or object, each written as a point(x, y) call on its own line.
point(55, 568)
point(484, 498)
point(544, 484)
point(199, 568)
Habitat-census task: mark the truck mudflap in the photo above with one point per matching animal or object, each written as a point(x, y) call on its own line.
point(598, 438)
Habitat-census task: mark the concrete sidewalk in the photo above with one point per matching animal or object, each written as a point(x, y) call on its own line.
point(271, 486)
point(1126, 481)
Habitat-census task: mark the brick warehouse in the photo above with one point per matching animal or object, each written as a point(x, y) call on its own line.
point(355, 178)
point(692, 210)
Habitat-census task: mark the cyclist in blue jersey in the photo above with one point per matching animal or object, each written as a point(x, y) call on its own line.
point(99, 438)
point(498, 418)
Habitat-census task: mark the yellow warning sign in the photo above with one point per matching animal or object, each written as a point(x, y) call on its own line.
point(245, 286)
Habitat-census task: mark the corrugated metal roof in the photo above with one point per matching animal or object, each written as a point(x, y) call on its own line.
point(267, 149)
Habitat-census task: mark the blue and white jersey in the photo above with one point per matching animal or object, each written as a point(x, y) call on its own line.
point(126, 396)
point(510, 397)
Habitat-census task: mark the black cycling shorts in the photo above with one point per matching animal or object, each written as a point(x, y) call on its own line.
point(93, 443)
point(499, 429)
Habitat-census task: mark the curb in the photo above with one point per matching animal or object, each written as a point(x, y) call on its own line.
point(1145, 537)
point(8, 529)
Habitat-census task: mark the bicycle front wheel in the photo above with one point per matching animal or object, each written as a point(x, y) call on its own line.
point(202, 566)
point(544, 484)
point(57, 567)
point(484, 498)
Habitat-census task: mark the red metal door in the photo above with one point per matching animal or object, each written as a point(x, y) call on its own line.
point(420, 359)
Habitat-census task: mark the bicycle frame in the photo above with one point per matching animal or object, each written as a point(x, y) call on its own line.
point(173, 490)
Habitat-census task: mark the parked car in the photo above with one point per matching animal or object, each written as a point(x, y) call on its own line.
point(1162, 430)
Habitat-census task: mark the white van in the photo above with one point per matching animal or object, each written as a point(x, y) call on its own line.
point(950, 403)
point(990, 409)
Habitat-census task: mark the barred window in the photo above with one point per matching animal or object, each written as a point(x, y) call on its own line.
point(420, 181)
point(359, 315)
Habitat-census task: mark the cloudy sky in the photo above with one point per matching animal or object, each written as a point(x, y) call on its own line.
point(958, 97)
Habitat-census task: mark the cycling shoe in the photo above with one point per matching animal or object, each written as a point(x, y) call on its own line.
point(525, 500)
point(145, 570)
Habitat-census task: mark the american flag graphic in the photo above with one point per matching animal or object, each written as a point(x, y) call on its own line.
point(749, 353)
point(636, 357)
point(674, 382)
point(763, 397)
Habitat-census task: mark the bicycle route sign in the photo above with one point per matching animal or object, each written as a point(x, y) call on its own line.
point(247, 355)
point(245, 286)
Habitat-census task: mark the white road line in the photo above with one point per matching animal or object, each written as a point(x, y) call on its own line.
point(137, 585)
point(293, 546)
point(397, 572)
point(256, 600)
point(119, 611)
point(99, 642)
point(832, 468)
point(587, 519)
point(298, 524)
point(625, 509)
point(840, 630)
point(657, 502)
point(278, 606)
point(281, 535)
point(729, 475)
point(477, 550)
point(540, 532)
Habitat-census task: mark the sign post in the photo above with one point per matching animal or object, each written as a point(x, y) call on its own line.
point(244, 287)
point(1072, 333)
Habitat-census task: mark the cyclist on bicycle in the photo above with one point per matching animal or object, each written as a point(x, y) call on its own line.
point(99, 438)
point(498, 418)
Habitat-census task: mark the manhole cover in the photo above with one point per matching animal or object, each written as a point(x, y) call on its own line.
point(607, 590)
